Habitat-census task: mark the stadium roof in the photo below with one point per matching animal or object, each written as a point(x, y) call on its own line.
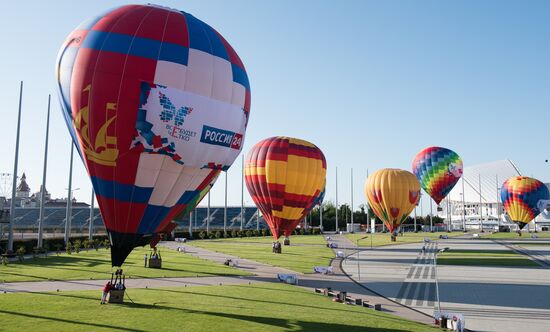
point(503, 169)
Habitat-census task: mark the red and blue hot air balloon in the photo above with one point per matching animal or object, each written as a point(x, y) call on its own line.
point(438, 170)
point(157, 103)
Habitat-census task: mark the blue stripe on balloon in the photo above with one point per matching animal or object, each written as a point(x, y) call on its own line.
point(152, 217)
point(239, 76)
point(136, 46)
point(121, 192)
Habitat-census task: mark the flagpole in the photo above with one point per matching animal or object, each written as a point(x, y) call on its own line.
point(336, 223)
point(463, 207)
point(91, 226)
point(352, 230)
point(480, 205)
point(225, 208)
point(14, 183)
point(498, 204)
point(43, 189)
point(242, 193)
point(321, 216)
point(68, 214)
point(208, 214)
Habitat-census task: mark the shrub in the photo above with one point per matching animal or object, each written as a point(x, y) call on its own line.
point(77, 245)
point(234, 233)
point(69, 248)
point(86, 243)
point(58, 247)
point(21, 253)
point(107, 244)
point(248, 233)
point(218, 234)
point(302, 231)
point(211, 236)
point(264, 232)
point(256, 233)
point(202, 235)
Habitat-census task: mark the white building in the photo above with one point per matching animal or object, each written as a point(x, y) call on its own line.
point(475, 202)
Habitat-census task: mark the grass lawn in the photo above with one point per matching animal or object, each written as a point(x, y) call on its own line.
point(383, 239)
point(300, 256)
point(257, 307)
point(484, 258)
point(97, 265)
point(513, 235)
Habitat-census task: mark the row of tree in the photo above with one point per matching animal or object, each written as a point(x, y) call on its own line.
point(361, 216)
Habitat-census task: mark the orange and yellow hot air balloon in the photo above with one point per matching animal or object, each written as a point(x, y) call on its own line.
point(392, 194)
point(284, 176)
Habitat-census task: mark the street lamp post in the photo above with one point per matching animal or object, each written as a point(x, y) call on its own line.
point(436, 282)
point(358, 268)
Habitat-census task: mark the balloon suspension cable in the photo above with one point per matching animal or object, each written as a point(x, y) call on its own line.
point(128, 295)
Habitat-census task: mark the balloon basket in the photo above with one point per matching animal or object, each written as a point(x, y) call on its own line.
point(116, 296)
point(286, 242)
point(277, 248)
point(155, 263)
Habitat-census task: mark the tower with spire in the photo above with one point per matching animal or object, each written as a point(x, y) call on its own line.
point(23, 190)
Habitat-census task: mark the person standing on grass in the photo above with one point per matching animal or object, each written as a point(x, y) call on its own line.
point(106, 291)
point(145, 260)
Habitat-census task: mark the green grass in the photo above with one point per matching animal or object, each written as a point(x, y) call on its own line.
point(97, 265)
point(383, 239)
point(257, 307)
point(484, 258)
point(513, 235)
point(301, 256)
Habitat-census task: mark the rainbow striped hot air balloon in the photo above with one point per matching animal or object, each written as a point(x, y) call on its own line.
point(284, 176)
point(520, 196)
point(392, 194)
point(438, 170)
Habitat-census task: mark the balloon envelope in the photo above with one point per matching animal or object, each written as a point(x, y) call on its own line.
point(392, 194)
point(438, 170)
point(284, 176)
point(520, 196)
point(157, 103)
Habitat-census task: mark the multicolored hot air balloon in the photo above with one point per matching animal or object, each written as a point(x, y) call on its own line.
point(438, 170)
point(520, 196)
point(157, 103)
point(284, 176)
point(392, 194)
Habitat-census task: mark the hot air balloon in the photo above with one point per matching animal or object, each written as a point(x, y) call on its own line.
point(157, 103)
point(284, 176)
point(392, 194)
point(438, 170)
point(520, 196)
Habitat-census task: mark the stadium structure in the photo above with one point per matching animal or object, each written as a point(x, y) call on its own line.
point(27, 214)
point(474, 203)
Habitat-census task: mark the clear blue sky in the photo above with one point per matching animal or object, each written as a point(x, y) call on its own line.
point(370, 82)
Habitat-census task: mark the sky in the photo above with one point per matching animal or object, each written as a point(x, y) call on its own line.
point(371, 83)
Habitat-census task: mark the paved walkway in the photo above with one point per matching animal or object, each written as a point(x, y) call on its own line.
point(338, 281)
point(491, 298)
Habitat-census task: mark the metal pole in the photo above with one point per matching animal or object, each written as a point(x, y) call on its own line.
point(431, 214)
point(14, 183)
point(436, 282)
point(91, 226)
point(336, 223)
point(258, 219)
point(43, 189)
point(321, 216)
point(225, 208)
point(498, 204)
point(358, 268)
point(369, 222)
point(208, 214)
point(242, 193)
point(463, 207)
point(480, 204)
point(352, 230)
point(191, 224)
point(415, 218)
point(68, 214)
